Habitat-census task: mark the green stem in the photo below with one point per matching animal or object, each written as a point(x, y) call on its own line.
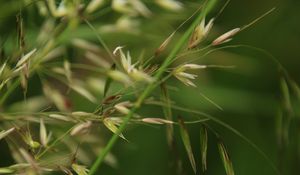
point(210, 4)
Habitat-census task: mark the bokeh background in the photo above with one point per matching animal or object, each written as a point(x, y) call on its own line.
point(249, 93)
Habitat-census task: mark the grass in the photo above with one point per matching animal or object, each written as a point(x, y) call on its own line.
point(87, 92)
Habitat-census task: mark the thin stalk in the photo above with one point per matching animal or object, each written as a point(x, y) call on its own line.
point(210, 4)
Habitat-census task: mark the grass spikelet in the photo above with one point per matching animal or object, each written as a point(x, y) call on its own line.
point(225, 158)
point(81, 128)
point(172, 5)
point(200, 33)
point(157, 121)
point(203, 147)
point(6, 170)
point(61, 117)
point(83, 92)
point(43, 133)
point(168, 114)
point(163, 45)
point(286, 99)
point(111, 125)
point(296, 89)
point(123, 107)
point(119, 76)
point(187, 144)
point(68, 72)
point(4, 133)
point(80, 169)
point(2, 69)
point(25, 58)
point(226, 37)
point(56, 97)
point(94, 5)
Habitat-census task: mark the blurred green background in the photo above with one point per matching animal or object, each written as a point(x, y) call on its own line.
point(249, 94)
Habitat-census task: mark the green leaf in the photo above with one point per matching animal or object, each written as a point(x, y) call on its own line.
point(187, 144)
point(225, 158)
point(203, 146)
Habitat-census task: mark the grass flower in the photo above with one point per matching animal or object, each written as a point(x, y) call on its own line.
point(184, 77)
point(129, 67)
point(200, 33)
